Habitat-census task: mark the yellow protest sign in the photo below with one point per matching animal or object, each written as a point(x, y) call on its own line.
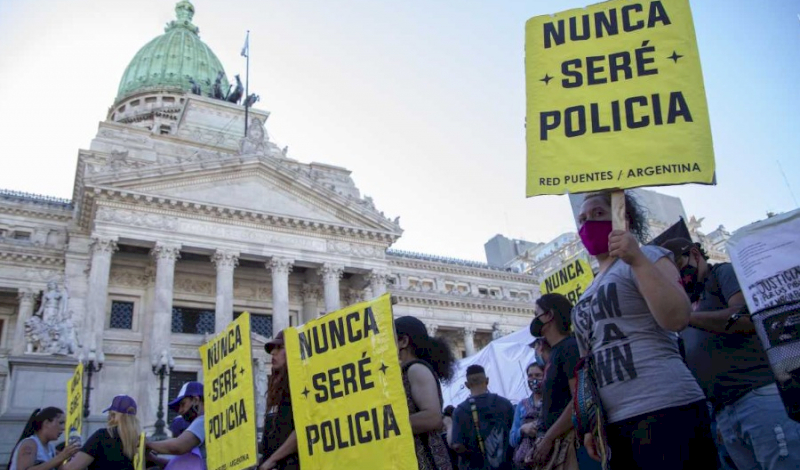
point(615, 99)
point(570, 280)
point(74, 425)
point(348, 400)
point(139, 462)
point(230, 409)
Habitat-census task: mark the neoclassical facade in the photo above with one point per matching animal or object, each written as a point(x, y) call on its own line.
point(179, 222)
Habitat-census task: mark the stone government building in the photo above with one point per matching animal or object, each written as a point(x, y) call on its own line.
point(178, 223)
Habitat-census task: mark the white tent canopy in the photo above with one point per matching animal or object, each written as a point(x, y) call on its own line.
point(505, 360)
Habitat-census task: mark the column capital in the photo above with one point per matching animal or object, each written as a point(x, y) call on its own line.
point(166, 252)
point(26, 295)
point(224, 259)
point(331, 272)
point(378, 277)
point(103, 245)
point(470, 331)
point(280, 265)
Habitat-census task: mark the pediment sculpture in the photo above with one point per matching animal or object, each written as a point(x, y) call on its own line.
point(255, 141)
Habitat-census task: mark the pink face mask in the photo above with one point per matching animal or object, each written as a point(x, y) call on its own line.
point(594, 235)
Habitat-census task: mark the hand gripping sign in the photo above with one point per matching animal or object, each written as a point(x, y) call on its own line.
point(230, 411)
point(615, 99)
point(74, 425)
point(348, 400)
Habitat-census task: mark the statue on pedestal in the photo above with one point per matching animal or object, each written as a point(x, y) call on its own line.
point(51, 329)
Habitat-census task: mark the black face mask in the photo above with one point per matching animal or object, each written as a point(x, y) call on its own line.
point(691, 284)
point(535, 385)
point(537, 325)
point(191, 414)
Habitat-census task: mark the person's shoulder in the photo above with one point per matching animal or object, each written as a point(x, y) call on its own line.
point(419, 370)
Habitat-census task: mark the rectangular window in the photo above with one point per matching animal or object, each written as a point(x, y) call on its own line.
point(121, 315)
point(196, 321)
point(22, 235)
point(483, 291)
point(176, 381)
point(260, 324)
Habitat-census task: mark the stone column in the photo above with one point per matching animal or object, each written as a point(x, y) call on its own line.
point(226, 262)
point(166, 255)
point(330, 280)
point(97, 295)
point(377, 281)
point(281, 267)
point(310, 294)
point(26, 299)
point(469, 340)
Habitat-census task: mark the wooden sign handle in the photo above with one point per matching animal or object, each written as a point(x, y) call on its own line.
point(618, 220)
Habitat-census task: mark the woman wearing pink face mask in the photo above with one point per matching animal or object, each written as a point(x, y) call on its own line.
point(627, 320)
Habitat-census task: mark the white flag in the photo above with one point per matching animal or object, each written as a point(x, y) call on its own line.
point(246, 47)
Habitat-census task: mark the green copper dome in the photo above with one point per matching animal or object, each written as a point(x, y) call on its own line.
point(170, 60)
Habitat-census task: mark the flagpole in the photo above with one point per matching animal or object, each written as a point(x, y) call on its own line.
point(246, 81)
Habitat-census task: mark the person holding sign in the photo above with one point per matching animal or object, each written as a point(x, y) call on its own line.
point(279, 440)
point(425, 361)
point(112, 447)
point(35, 449)
point(189, 404)
point(627, 320)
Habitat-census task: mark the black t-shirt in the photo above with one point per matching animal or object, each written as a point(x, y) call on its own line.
point(495, 418)
point(278, 426)
point(726, 366)
point(106, 452)
point(556, 394)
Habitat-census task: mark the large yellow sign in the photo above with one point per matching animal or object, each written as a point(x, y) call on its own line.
point(139, 462)
point(570, 280)
point(230, 409)
point(615, 99)
point(74, 425)
point(347, 391)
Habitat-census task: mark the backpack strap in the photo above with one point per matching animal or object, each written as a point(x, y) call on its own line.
point(475, 420)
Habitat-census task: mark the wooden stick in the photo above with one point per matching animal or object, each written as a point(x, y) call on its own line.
point(618, 220)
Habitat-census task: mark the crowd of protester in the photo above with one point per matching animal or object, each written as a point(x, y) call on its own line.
point(659, 353)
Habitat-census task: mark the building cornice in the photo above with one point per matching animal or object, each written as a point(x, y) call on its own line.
point(168, 206)
point(461, 303)
point(442, 267)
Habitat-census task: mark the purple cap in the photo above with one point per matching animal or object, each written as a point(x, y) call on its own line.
point(189, 389)
point(122, 404)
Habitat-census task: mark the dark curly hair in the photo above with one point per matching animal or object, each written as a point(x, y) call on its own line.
point(635, 213)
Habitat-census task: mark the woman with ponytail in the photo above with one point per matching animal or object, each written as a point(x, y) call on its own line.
point(35, 449)
point(425, 362)
point(112, 447)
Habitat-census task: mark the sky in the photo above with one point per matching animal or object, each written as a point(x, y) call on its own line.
point(424, 101)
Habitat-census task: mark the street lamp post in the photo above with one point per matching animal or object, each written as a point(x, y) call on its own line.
point(162, 367)
point(94, 363)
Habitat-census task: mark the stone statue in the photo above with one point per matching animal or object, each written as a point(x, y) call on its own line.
point(51, 329)
point(53, 301)
point(253, 143)
point(497, 333)
point(34, 332)
point(195, 87)
point(251, 100)
point(237, 92)
point(216, 91)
